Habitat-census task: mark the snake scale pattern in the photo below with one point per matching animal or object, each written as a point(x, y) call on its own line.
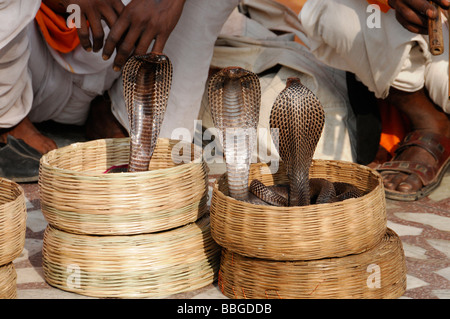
point(234, 98)
point(147, 80)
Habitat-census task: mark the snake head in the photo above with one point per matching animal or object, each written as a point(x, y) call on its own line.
point(293, 81)
point(234, 72)
point(152, 57)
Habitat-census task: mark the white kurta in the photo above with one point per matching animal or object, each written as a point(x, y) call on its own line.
point(381, 57)
point(48, 85)
point(16, 93)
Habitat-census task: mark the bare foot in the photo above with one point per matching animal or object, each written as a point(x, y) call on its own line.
point(27, 132)
point(101, 122)
point(424, 117)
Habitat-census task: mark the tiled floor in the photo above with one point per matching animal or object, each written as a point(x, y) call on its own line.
point(423, 226)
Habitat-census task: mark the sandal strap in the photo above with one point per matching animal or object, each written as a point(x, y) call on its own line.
point(437, 145)
point(425, 172)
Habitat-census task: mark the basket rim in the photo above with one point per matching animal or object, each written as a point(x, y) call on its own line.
point(300, 209)
point(155, 172)
point(20, 196)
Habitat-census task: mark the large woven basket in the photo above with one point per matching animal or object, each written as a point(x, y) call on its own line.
point(375, 274)
point(13, 217)
point(134, 266)
point(302, 233)
point(77, 196)
point(8, 277)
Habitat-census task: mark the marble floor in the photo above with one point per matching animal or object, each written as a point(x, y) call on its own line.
point(423, 226)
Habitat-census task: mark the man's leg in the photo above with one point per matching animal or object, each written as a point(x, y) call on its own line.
point(17, 96)
point(424, 116)
point(27, 132)
point(101, 122)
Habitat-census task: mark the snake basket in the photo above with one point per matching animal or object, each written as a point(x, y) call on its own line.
point(78, 196)
point(8, 278)
point(379, 273)
point(134, 266)
point(13, 216)
point(302, 233)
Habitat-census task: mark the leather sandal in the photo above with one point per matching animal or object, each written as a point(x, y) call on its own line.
point(430, 175)
point(19, 162)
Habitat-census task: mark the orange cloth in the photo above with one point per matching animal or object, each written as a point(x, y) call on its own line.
point(394, 127)
point(384, 6)
point(55, 30)
point(294, 5)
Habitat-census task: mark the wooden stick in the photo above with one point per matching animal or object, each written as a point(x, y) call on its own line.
point(435, 33)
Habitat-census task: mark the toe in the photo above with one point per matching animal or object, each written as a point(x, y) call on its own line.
point(394, 180)
point(387, 178)
point(411, 184)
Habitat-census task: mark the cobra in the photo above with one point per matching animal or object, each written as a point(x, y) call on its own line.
point(234, 99)
point(147, 81)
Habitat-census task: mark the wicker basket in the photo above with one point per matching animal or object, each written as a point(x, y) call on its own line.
point(149, 265)
point(13, 217)
point(302, 233)
point(8, 279)
point(375, 274)
point(77, 196)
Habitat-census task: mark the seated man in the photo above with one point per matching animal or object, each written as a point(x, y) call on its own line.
point(52, 72)
point(392, 59)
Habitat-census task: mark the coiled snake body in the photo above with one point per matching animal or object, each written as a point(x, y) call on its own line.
point(234, 98)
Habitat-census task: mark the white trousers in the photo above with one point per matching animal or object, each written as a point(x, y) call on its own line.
point(37, 81)
point(381, 56)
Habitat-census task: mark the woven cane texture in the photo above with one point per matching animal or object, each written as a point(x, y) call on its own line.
point(379, 273)
point(77, 196)
point(8, 279)
point(13, 216)
point(134, 266)
point(302, 233)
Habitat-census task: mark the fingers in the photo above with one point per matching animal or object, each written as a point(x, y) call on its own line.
point(444, 4)
point(144, 43)
point(160, 42)
point(137, 25)
point(110, 15)
point(118, 6)
point(413, 22)
point(95, 25)
point(413, 15)
point(115, 37)
point(83, 34)
point(91, 23)
point(126, 47)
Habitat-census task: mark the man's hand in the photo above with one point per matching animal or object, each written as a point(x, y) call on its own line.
point(92, 12)
point(139, 23)
point(414, 14)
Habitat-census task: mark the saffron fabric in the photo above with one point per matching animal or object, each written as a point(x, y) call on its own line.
point(55, 30)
